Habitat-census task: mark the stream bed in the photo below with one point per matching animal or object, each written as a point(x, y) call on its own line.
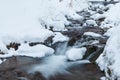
point(27, 68)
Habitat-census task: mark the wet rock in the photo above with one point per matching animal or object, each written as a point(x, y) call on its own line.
point(90, 49)
point(93, 56)
point(16, 61)
point(103, 40)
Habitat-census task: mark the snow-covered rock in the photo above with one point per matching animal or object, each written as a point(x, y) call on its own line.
point(90, 23)
point(75, 53)
point(59, 37)
point(34, 51)
point(92, 34)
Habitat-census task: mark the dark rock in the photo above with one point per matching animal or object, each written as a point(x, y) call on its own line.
point(13, 45)
point(95, 54)
point(90, 49)
point(35, 43)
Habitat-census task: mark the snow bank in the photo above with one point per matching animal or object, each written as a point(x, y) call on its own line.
point(92, 34)
point(75, 53)
point(22, 34)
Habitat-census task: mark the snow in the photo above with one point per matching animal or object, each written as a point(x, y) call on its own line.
point(75, 53)
point(92, 34)
point(59, 37)
point(103, 78)
point(30, 34)
point(110, 32)
point(1, 61)
point(90, 23)
point(26, 20)
point(97, 16)
point(109, 59)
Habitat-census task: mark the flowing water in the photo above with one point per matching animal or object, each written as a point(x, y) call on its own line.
point(57, 67)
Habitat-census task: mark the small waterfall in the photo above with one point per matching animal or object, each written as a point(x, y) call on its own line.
point(61, 48)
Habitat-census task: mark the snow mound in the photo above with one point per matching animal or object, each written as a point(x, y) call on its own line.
point(75, 53)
